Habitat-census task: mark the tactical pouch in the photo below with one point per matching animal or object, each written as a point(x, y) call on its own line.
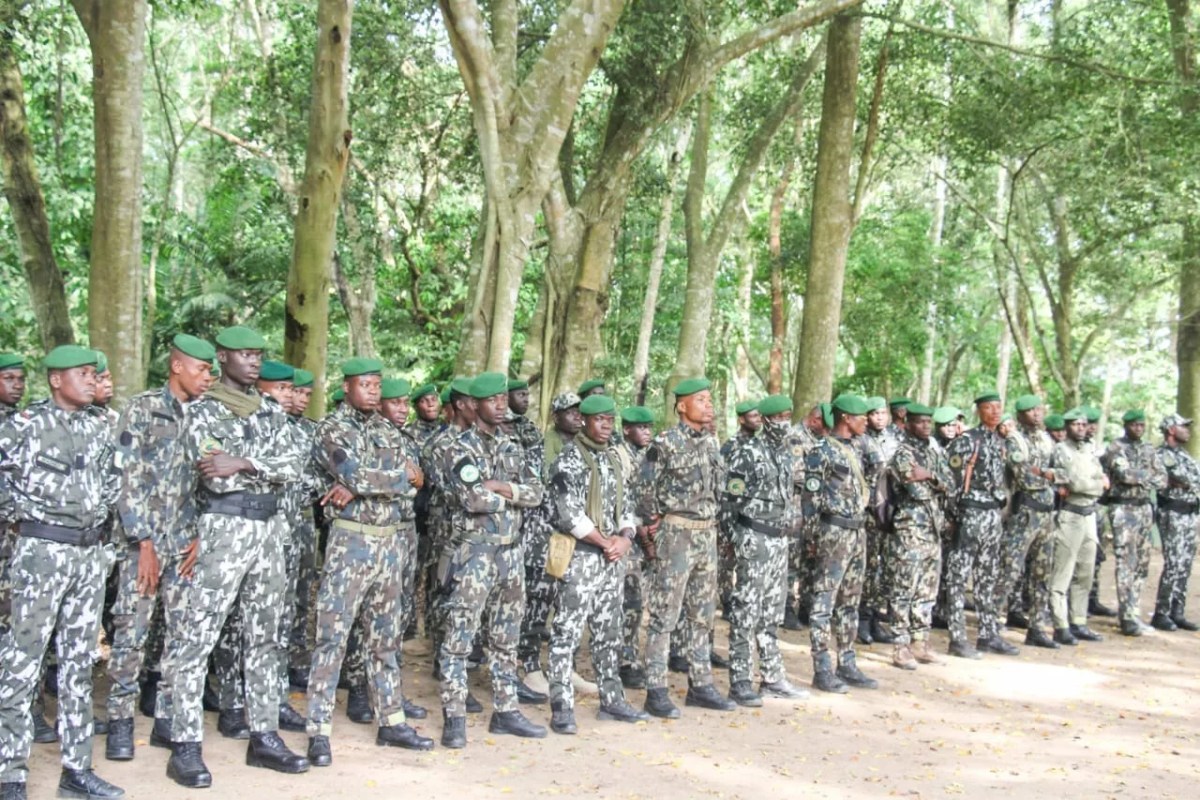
point(558, 556)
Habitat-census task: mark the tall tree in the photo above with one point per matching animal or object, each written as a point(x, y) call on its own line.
point(325, 160)
point(116, 31)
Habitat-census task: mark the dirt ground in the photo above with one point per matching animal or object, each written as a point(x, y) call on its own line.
point(1114, 719)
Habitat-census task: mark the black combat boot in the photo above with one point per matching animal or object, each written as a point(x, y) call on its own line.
point(677, 663)
point(658, 704)
point(633, 677)
point(562, 719)
point(1163, 622)
point(149, 694)
point(514, 723)
point(1098, 609)
point(849, 672)
point(717, 661)
point(621, 711)
point(454, 732)
point(414, 711)
point(210, 700)
point(742, 693)
point(996, 645)
point(1085, 634)
point(298, 677)
point(186, 766)
point(473, 704)
point(1184, 624)
point(269, 751)
point(320, 754)
point(962, 649)
point(791, 622)
point(43, 731)
point(864, 631)
point(358, 705)
point(160, 734)
point(878, 633)
point(1129, 627)
point(402, 736)
point(529, 696)
point(232, 724)
point(782, 689)
point(86, 784)
point(291, 720)
point(1064, 637)
point(824, 678)
point(1037, 637)
point(1017, 620)
point(707, 696)
point(118, 746)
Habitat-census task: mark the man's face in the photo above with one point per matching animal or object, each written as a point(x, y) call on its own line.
point(240, 366)
point(12, 385)
point(697, 409)
point(362, 392)
point(490, 410)
point(990, 413)
point(592, 391)
point(900, 414)
point(464, 410)
point(949, 430)
point(191, 375)
point(280, 390)
point(919, 426)
point(1182, 433)
point(1077, 430)
point(104, 388)
point(814, 421)
point(877, 420)
point(857, 424)
point(1135, 430)
point(598, 427)
point(1092, 429)
point(518, 401)
point(751, 421)
point(428, 407)
point(74, 388)
point(1033, 417)
point(395, 409)
point(568, 421)
point(639, 434)
point(300, 400)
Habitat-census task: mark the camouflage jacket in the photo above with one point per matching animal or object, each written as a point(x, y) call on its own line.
point(1133, 469)
point(802, 440)
point(527, 434)
point(1077, 468)
point(145, 440)
point(682, 474)
point(887, 440)
point(871, 455)
point(1183, 475)
point(759, 484)
point(568, 483)
point(1029, 449)
point(56, 467)
point(7, 411)
point(987, 451)
point(477, 513)
point(733, 442)
point(366, 454)
point(421, 431)
point(433, 455)
point(551, 446)
point(920, 504)
point(834, 483)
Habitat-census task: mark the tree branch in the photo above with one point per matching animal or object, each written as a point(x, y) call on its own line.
point(806, 17)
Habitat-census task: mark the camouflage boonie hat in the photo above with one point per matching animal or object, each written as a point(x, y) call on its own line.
point(1172, 421)
point(564, 401)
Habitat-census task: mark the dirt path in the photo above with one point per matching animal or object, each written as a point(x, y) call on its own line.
point(1114, 719)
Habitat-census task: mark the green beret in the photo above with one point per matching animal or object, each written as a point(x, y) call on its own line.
point(276, 371)
point(745, 407)
point(445, 396)
point(1091, 412)
point(215, 370)
point(637, 415)
point(354, 367)
point(423, 390)
point(944, 415)
point(691, 386)
point(775, 404)
point(101, 362)
point(66, 356)
point(515, 385)
point(1028, 402)
point(900, 401)
point(850, 404)
point(876, 404)
point(919, 410)
point(338, 395)
point(1134, 415)
point(1006, 418)
point(988, 397)
point(488, 384)
point(394, 388)
point(239, 337)
point(597, 404)
point(11, 361)
point(827, 414)
point(1076, 413)
point(588, 385)
point(302, 379)
point(461, 386)
point(1055, 422)
point(194, 346)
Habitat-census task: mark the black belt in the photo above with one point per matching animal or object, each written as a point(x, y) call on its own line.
point(1024, 499)
point(1178, 506)
point(80, 537)
point(842, 522)
point(759, 527)
point(1082, 511)
point(257, 507)
point(1126, 501)
point(990, 505)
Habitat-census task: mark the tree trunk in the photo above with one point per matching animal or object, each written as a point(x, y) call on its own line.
point(23, 191)
point(325, 159)
point(358, 297)
point(117, 33)
point(831, 216)
point(775, 251)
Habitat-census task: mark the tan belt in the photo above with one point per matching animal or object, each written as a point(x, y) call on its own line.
point(688, 523)
point(364, 529)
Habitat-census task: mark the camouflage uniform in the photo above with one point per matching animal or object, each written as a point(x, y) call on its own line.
point(726, 558)
point(636, 569)
point(241, 559)
point(802, 538)
point(57, 482)
point(433, 454)
point(590, 591)
point(372, 541)
point(301, 499)
point(1078, 469)
point(756, 510)
point(912, 551)
point(679, 484)
point(421, 432)
point(1178, 520)
point(481, 570)
point(146, 436)
point(541, 590)
point(835, 497)
point(976, 510)
point(874, 458)
point(1133, 470)
point(1028, 549)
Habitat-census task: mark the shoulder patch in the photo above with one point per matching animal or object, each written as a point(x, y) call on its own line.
point(467, 471)
point(812, 484)
point(736, 487)
point(1168, 460)
point(956, 461)
point(209, 446)
point(1017, 456)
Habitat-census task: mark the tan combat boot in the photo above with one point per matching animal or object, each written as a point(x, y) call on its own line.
point(923, 654)
point(903, 658)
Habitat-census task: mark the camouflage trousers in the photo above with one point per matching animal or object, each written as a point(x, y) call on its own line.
point(227, 661)
point(172, 593)
point(54, 586)
point(479, 578)
point(589, 594)
point(133, 617)
point(1071, 572)
point(912, 561)
point(439, 534)
point(1178, 533)
point(541, 597)
point(1131, 526)
point(874, 595)
point(975, 559)
point(240, 560)
point(8, 539)
point(684, 581)
point(841, 556)
point(363, 579)
point(1026, 560)
point(801, 565)
point(726, 567)
point(756, 607)
point(354, 667)
point(632, 604)
point(308, 580)
point(292, 555)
